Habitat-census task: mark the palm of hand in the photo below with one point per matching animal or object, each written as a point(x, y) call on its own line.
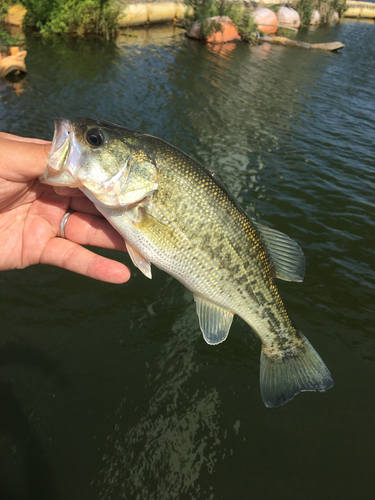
point(29, 222)
point(31, 213)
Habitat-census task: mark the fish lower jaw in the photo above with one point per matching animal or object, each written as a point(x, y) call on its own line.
point(58, 178)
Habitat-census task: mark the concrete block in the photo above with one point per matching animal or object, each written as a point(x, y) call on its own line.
point(133, 14)
point(161, 12)
point(180, 10)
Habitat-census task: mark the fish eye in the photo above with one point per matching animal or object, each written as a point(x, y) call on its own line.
point(95, 137)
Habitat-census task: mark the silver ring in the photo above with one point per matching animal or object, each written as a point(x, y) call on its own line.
point(63, 222)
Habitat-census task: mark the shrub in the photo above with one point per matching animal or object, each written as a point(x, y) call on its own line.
point(200, 10)
point(326, 9)
point(62, 17)
point(305, 9)
point(243, 19)
point(6, 40)
point(4, 6)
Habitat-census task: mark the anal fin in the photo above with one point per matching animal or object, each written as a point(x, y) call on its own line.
point(214, 321)
point(139, 261)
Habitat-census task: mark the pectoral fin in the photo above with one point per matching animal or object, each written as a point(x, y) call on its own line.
point(214, 321)
point(158, 235)
point(287, 257)
point(139, 261)
point(157, 231)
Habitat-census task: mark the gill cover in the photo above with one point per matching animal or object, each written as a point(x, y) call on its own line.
point(133, 182)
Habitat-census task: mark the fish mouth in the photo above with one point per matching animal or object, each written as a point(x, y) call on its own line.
point(63, 160)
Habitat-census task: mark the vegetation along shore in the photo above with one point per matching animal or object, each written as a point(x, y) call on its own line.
point(107, 17)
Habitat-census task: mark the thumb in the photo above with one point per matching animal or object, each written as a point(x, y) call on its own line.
point(22, 159)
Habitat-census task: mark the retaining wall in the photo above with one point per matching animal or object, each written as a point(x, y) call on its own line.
point(365, 10)
point(137, 14)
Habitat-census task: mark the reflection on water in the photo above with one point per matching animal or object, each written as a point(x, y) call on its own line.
point(132, 403)
point(18, 86)
point(165, 452)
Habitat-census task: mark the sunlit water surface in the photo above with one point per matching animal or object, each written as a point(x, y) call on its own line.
point(110, 392)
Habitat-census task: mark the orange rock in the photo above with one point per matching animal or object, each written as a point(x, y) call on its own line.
point(288, 17)
point(195, 31)
point(228, 31)
point(13, 63)
point(15, 15)
point(315, 17)
point(266, 20)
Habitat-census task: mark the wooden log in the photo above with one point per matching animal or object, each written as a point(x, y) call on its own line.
point(296, 43)
point(328, 46)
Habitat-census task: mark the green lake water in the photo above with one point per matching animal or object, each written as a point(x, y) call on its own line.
point(110, 392)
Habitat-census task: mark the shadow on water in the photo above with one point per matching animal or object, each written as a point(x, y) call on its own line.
point(24, 470)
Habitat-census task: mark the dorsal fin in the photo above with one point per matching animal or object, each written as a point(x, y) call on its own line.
point(214, 321)
point(287, 256)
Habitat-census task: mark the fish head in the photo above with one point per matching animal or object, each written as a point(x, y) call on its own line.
point(105, 161)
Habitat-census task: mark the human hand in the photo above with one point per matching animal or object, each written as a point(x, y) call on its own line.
point(31, 213)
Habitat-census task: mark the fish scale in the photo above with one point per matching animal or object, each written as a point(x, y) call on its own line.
point(233, 254)
point(175, 214)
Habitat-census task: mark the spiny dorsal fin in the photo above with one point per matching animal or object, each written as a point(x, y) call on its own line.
point(287, 256)
point(214, 321)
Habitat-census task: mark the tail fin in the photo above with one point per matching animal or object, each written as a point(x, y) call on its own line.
point(283, 377)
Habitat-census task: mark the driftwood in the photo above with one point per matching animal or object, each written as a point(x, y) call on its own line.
point(296, 43)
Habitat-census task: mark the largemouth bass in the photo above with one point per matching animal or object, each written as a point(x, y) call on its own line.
point(175, 214)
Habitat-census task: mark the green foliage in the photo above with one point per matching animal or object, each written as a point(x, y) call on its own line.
point(200, 10)
point(326, 9)
point(243, 19)
point(7, 40)
point(287, 33)
point(305, 9)
point(4, 6)
point(339, 6)
point(67, 17)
